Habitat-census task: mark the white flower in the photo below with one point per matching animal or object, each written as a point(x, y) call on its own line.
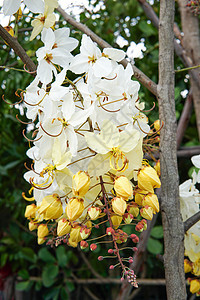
point(10, 7)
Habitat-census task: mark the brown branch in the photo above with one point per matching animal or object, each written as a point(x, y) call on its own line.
point(182, 152)
point(191, 221)
point(184, 119)
point(180, 51)
point(139, 75)
point(86, 261)
point(19, 50)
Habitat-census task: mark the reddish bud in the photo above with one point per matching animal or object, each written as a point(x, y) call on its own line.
point(83, 244)
point(96, 226)
point(109, 231)
point(93, 247)
point(133, 236)
point(130, 261)
point(110, 251)
point(100, 258)
point(135, 249)
point(111, 267)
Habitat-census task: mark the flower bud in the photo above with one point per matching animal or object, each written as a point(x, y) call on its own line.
point(64, 227)
point(139, 195)
point(196, 267)
point(51, 207)
point(156, 125)
point(157, 167)
point(121, 236)
point(152, 201)
point(85, 232)
point(147, 212)
point(128, 218)
point(30, 211)
point(83, 245)
point(74, 209)
point(116, 221)
point(194, 286)
point(75, 236)
point(41, 241)
point(119, 205)
point(94, 212)
point(187, 266)
point(109, 231)
point(144, 223)
point(100, 258)
point(93, 247)
point(110, 251)
point(80, 184)
point(111, 267)
point(42, 230)
point(148, 179)
point(133, 209)
point(123, 187)
point(139, 227)
point(32, 226)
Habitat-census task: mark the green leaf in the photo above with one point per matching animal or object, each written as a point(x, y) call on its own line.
point(70, 286)
point(52, 294)
point(23, 274)
point(24, 285)
point(4, 257)
point(48, 275)
point(157, 232)
point(63, 294)
point(154, 246)
point(146, 28)
point(38, 285)
point(62, 257)
point(46, 256)
point(28, 254)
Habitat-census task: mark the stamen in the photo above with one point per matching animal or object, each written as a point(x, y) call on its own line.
point(29, 140)
point(52, 135)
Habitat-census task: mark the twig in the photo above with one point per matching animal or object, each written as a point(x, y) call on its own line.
point(19, 50)
point(97, 275)
point(139, 75)
point(191, 221)
point(184, 119)
point(89, 292)
point(180, 51)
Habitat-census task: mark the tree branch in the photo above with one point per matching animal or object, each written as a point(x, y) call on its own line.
point(191, 221)
point(180, 51)
point(19, 50)
point(139, 75)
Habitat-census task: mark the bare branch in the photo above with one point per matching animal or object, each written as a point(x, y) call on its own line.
point(97, 275)
point(19, 50)
point(191, 221)
point(139, 75)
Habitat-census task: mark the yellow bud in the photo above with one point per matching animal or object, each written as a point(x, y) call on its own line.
point(187, 266)
point(148, 179)
point(139, 196)
point(80, 184)
point(10, 30)
point(128, 218)
point(123, 187)
point(75, 236)
point(116, 221)
point(194, 286)
point(133, 209)
point(32, 226)
point(156, 125)
point(42, 231)
point(152, 201)
point(64, 227)
point(51, 207)
point(157, 167)
point(85, 232)
point(74, 209)
point(30, 211)
point(119, 205)
point(196, 267)
point(146, 212)
point(94, 212)
point(41, 241)
point(19, 14)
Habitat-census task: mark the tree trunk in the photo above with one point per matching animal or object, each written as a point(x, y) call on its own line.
point(171, 217)
point(191, 43)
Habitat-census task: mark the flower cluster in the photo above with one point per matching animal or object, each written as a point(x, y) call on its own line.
point(189, 201)
point(87, 152)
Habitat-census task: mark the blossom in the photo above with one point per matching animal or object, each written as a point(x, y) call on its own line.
point(10, 7)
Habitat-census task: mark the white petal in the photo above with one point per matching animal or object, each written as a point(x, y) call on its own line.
point(72, 139)
point(196, 161)
point(96, 143)
point(109, 134)
point(114, 54)
point(68, 106)
point(99, 165)
point(36, 6)
point(102, 67)
point(81, 116)
point(48, 38)
point(44, 71)
point(65, 160)
point(129, 139)
point(63, 40)
point(37, 28)
point(61, 57)
point(10, 7)
point(79, 64)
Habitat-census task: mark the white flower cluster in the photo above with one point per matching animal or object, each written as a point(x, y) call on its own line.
point(189, 201)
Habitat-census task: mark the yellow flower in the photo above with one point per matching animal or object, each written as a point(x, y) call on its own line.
point(133, 209)
point(75, 236)
point(51, 207)
point(94, 212)
point(80, 184)
point(157, 167)
point(187, 266)
point(146, 212)
point(194, 286)
point(116, 221)
point(32, 226)
point(139, 195)
point(156, 125)
point(196, 267)
point(75, 208)
point(64, 227)
point(123, 187)
point(30, 211)
point(148, 179)
point(152, 201)
point(119, 205)
point(42, 231)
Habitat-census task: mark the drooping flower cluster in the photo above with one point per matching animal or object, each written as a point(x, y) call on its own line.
point(87, 144)
point(190, 200)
